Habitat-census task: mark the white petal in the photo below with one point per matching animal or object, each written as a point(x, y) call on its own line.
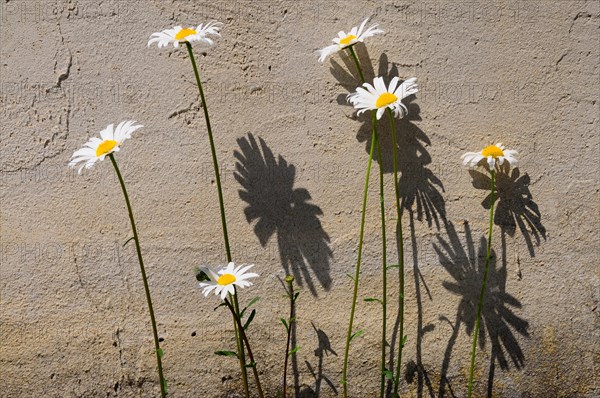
point(362, 27)
point(379, 85)
point(327, 51)
point(393, 84)
point(408, 87)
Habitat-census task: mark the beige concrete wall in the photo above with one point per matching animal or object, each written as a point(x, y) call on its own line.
point(73, 319)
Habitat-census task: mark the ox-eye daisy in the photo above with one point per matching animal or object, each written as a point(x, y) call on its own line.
point(96, 149)
point(110, 141)
point(490, 155)
point(378, 97)
point(224, 280)
point(488, 158)
point(344, 39)
point(181, 35)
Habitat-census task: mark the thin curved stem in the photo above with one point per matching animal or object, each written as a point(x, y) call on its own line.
point(240, 346)
point(357, 272)
point(383, 233)
point(291, 320)
point(237, 319)
point(384, 261)
point(360, 72)
point(241, 354)
point(212, 150)
point(483, 284)
point(401, 340)
point(157, 349)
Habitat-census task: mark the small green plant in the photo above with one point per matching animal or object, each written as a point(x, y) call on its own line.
point(289, 324)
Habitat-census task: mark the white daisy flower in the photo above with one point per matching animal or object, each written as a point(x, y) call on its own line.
point(110, 141)
point(378, 97)
point(179, 35)
point(344, 39)
point(490, 155)
point(223, 282)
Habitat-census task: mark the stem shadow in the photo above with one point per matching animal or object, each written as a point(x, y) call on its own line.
point(416, 367)
point(323, 349)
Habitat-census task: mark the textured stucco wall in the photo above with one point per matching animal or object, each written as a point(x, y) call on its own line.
point(73, 319)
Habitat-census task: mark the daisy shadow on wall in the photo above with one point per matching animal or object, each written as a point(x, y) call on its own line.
point(420, 189)
point(277, 208)
point(515, 209)
point(501, 326)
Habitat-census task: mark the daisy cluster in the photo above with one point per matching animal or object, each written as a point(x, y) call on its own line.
point(378, 97)
point(373, 97)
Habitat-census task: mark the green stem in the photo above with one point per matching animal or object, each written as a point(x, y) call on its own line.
point(237, 319)
point(357, 272)
point(213, 151)
point(360, 72)
point(483, 284)
point(158, 351)
point(290, 282)
point(400, 255)
point(383, 234)
point(384, 260)
point(240, 346)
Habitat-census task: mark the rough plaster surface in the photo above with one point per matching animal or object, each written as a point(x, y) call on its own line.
point(73, 319)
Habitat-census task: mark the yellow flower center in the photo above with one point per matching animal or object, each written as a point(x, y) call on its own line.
point(346, 40)
point(105, 147)
point(183, 33)
point(385, 99)
point(492, 151)
point(226, 279)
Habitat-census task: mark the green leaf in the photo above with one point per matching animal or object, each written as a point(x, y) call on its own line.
point(292, 320)
point(128, 240)
point(224, 353)
point(250, 365)
point(388, 374)
point(350, 276)
point(295, 296)
point(161, 353)
point(295, 350)
point(372, 300)
point(287, 328)
point(392, 266)
point(164, 383)
point(356, 334)
point(250, 318)
point(251, 303)
point(404, 340)
point(201, 275)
